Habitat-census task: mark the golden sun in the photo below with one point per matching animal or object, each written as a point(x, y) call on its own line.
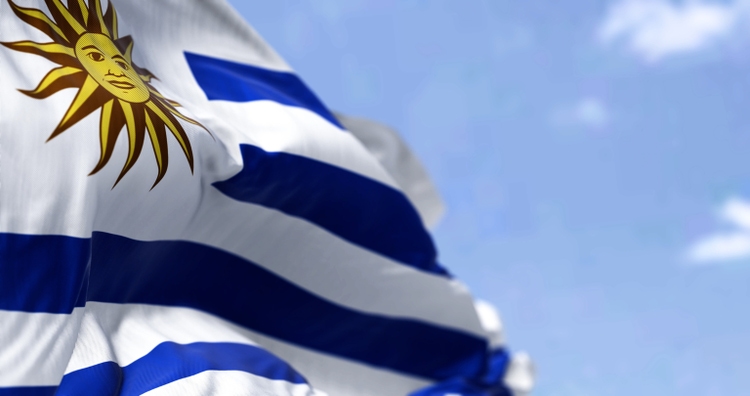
point(94, 59)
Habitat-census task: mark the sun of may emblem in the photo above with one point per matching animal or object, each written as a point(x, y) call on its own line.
point(94, 59)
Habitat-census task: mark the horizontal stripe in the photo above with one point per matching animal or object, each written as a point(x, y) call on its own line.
point(35, 348)
point(125, 332)
point(357, 209)
point(28, 391)
point(236, 82)
point(220, 383)
point(178, 273)
point(54, 275)
point(171, 361)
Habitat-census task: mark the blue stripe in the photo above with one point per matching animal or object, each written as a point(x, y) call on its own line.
point(177, 273)
point(169, 362)
point(360, 210)
point(28, 391)
point(43, 273)
point(236, 82)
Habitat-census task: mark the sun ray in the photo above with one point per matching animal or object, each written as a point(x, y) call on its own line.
point(170, 106)
point(110, 20)
point(159, 143)
point(161, 97)
point(61, 13)
point(56, 80)
point(84, 9)
point(186, 119)
point(84, 104)
point(58, 53)
point(78, 9)
point(41, 21)
point(176, 130)
point(127, 50)
point(135, 124)
point(111, 122)
point(156, 93)
point(96, 19)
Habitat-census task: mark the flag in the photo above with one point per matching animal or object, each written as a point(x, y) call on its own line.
point(180, 214)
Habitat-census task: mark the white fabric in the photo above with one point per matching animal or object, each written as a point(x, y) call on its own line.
point(36, 347)
point(520, 375)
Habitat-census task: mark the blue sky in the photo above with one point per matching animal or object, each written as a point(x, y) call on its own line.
point(594, 159)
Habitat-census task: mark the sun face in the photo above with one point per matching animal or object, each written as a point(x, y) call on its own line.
point(109, 68)
point(96, 61)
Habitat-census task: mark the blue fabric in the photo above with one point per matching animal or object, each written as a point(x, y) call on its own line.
point(489, 383)
point(43, 273)
point(179, 273)
point(169, 362)
point(236, 82)
point(360, 210)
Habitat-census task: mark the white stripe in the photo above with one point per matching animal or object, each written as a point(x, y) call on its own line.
point(36, 347)
point(276, 127)
point(221, 383)
point(124, 333)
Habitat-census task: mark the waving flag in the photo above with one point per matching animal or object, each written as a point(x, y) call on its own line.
point(180, 215)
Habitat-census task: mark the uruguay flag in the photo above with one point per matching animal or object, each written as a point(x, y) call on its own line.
point(181, 215)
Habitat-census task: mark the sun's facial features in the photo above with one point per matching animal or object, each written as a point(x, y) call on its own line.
point(93, 58)
point(109, 67)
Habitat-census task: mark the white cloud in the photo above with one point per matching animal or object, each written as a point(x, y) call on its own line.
point(590, 112)
point(736, 211)
point(725, 246)
point(654, 29)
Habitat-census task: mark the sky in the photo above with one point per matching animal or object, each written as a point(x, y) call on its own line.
point(594, 157)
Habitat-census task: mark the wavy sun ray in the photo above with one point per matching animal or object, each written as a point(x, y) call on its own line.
point(78, 9)
point(98, 62)
point(56, 80)
point(39, 20)
point(57, 53)
point(83, 104)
